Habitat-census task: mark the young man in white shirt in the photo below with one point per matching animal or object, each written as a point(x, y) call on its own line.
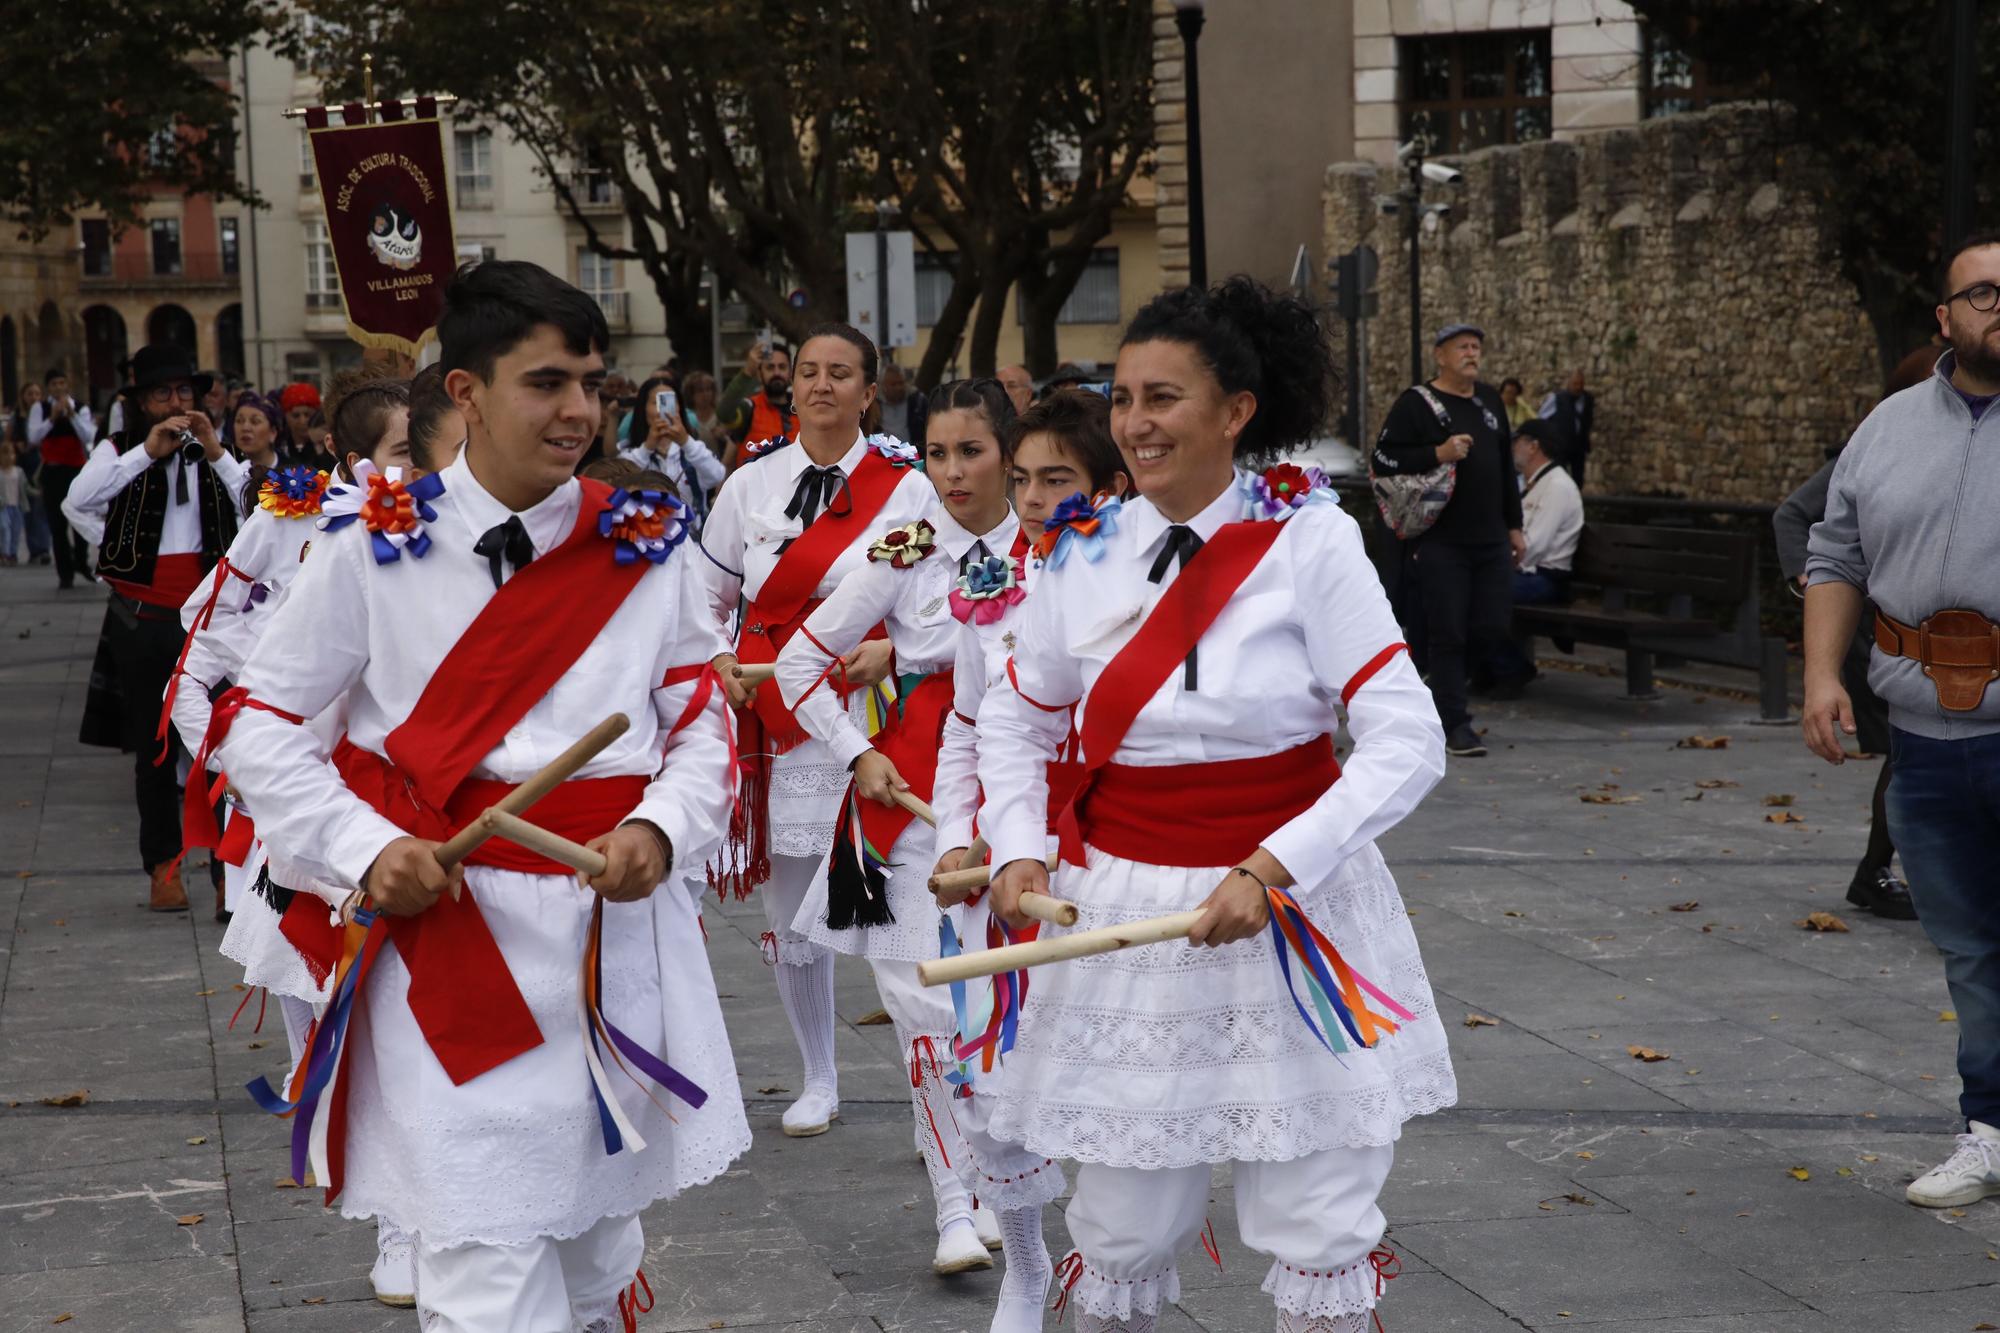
point(1552, 523)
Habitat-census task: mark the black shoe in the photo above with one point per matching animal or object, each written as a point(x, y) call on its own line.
point(64, 585)
point(1877, 889)
point(1463, 742)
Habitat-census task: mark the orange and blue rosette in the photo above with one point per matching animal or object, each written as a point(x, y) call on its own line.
point(1078, 522)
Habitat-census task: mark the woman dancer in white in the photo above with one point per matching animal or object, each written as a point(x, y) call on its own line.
point(793, 520)
point(874, 900)
point(1207, 647)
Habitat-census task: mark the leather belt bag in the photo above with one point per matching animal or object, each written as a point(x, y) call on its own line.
point(1960, 652)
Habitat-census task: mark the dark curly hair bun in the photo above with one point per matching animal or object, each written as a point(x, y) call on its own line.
point(1254, 340)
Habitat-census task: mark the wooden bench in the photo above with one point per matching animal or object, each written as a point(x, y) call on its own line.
point(1682, 592)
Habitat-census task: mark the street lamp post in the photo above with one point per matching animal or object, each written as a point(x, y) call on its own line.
point(1188, 17)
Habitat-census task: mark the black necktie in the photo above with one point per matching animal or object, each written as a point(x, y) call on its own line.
point(977, 555)
point(1181, 544)
point(817, 488)
point(505, 542)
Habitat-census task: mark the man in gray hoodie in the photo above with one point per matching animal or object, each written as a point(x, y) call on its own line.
point(1913, 523)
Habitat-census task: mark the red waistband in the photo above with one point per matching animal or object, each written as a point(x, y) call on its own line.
point(174, 578)
point(580, 809)
point(1065, 776)
point(64, 451)
point(1209, 814)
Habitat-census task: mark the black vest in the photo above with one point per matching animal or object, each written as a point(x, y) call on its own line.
point(133, 523)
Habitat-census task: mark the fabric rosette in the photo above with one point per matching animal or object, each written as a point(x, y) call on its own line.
point(292, 492)
point(645, 525)
point(394, 511)
point(986, 588)
point(1078, 521)
point(904, 546)
point(1280, 491)
point(896, 451)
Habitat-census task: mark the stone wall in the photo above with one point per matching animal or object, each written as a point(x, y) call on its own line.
point(1682, 264)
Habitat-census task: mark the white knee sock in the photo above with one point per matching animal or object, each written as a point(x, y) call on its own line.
point(298, 1015)
point(806, 990)
point(1027, 1255)
point(939, 1136)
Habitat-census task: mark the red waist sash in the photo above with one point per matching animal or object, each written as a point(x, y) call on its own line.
point(175, 577)
point(1208, 814)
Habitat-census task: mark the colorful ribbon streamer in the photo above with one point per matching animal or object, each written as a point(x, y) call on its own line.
point(1338, 1004)
point(602, 1039)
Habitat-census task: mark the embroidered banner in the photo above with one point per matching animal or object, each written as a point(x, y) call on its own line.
point(388, 219)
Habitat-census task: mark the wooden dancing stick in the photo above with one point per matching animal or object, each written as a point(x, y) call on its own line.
point(916, 805)
point(977, 853)
point(559, 770)
point(1042, 907)
point(513, 828)
point(1083, 944)
point(755, 673)
point(975, 877)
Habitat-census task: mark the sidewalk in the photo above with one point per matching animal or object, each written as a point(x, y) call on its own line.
point(1575, 1185)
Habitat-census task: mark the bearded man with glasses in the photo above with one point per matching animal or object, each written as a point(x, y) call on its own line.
point(160, 499)
point(1910, 524)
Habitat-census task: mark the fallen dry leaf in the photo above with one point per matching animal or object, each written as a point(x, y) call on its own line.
point(766, 1092)
point(1481, 1021)
point(1870, 1157)
point(62, 921)
point(1606, 798)
point(1687, 906)
point(1717, 784)
point(1782, 798)
point(1784, 817)
point(1947, 1015)
point(257, 1045)
point(313, 1300)
point(1583, 1199)
point(1927, 1078)
point(1702, 743)
point(1511, 912)
point(81, 1097)
point(1586, 1156)
point(286, 1184)
point(200, 994)
point(62, 1318)
point(1799, 1173)
point(1822, 921)
point(197, 1140)
point(1983, 1327)
point(1843, 1171)
point(1647, 1053)
point(1696, 797)
point(878, 1018)
point(1546, 1207)
point(189, 1219)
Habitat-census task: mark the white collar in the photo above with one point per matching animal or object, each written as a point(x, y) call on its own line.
point(954, 539)
point(798, 460)
point(547, 522)
point(1149, 525)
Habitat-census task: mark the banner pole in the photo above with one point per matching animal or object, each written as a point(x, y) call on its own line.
point(368, 86)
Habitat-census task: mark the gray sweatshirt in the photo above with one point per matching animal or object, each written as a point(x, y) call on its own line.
point(1913, 520)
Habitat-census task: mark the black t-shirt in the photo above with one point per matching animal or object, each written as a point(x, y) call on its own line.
point(1486, 499)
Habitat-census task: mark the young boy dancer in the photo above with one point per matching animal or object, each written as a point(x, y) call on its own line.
point(479, 622)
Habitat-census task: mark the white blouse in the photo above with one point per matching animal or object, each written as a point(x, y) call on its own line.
point(377, 633)
point(914, 605)
point(1290, 646)
point(980, 665)
point(746, 532)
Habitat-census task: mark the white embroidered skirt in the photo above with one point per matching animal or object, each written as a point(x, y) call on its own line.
point(806, 788)
point(1170, 1056)
point(517, 1153)
point(254, 941)
point(913, 936)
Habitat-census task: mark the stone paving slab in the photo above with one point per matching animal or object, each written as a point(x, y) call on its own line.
point(1574, 1186)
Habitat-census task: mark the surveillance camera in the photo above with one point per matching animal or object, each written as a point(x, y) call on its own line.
point(1388, 205)
point(1405, 150)
point(1430, 223)
point(1443, 175)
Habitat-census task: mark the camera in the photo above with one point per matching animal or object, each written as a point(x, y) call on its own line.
point(1443, 175)
point(191, 449)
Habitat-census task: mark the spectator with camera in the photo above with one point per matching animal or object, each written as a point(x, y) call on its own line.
point(160, 499)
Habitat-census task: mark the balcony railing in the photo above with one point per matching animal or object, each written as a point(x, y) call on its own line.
point(617, 308)
point(593, 191)
point(144, 269)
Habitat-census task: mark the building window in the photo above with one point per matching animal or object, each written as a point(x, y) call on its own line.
point(232, 251)
point(322, 278)
point(1673, 81)
point(302, 367)
point(96, 248)
point(1094, 299)
point(934, 275)
point(475, 252)
point(473, 165)
point(166, 246)
point(306, 173)
point(598, 275)
point(1473, 89)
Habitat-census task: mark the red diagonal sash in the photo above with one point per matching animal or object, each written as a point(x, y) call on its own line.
point(805, 562)
point(1130, 680)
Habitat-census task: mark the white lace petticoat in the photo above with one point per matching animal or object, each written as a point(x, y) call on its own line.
point(913, 936)
point(806, 787)
point(517, 1153)
point(254, 941)
point(1171, 1056)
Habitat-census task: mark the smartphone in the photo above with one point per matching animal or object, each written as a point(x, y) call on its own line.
point(665, 404)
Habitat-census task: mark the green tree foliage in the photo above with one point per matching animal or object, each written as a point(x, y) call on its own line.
point(103, 101)
point(749, 136)
point(1870, 83)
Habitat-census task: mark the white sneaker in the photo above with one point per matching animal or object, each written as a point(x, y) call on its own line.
point(1970, 1174)
point(394, 1275)
point(987, 1223)
point(814, 1113)
point(959, 1249)
point(1019, 1310)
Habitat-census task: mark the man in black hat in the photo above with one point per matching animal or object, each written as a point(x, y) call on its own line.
point(160, 498)
point(1464, 563)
